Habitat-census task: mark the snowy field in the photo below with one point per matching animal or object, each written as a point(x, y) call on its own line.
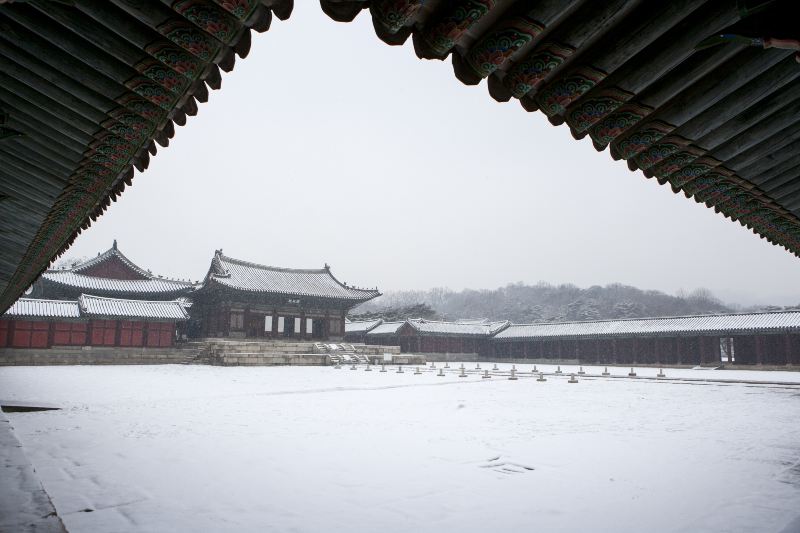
point(199, 448)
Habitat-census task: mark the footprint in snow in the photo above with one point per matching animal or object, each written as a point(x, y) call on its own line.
point(506, 467)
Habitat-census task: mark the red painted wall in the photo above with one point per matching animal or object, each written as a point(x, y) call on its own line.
point(131, 333)
point(43, 333)
point(30, 334)
point(69, 333)
point(160, 334)
point(104, 332)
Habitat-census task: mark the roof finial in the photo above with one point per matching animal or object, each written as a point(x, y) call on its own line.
point(114, 246)
point(327, 266)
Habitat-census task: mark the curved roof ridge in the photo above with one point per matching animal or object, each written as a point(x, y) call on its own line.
point(274, 268)
point(111, 252)
point(53, 275)
point(44, 300)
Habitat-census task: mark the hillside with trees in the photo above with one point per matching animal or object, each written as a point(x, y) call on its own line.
point(542, 302)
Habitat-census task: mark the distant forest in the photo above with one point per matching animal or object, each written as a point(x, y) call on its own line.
point(542, 302)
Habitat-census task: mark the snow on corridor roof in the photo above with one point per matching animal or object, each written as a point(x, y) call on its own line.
point(361, 326)
point(387, 328)
point(98, 306)
point(457, 328)
point(702, 324)
point(88, 306)
point(30, 307)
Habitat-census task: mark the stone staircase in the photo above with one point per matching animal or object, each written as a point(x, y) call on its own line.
point(341, 353)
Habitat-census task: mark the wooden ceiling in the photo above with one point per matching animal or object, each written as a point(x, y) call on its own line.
point(88, 89)
point(701, 95)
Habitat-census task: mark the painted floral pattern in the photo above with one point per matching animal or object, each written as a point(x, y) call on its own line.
point(529, 73)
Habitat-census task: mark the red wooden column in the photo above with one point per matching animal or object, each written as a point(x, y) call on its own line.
point(117, 332)
point(759, 340)
point(794, 348)
point(679, 349)
point(51, 332)
point(787, 347)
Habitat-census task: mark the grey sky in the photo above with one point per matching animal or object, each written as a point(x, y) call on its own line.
point(326, 145)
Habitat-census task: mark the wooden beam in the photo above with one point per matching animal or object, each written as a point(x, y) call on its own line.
point(785, 144)
point(49, 106)
point(771, 103)
point(43, 115)
point(745, 163)
point(756, 134)
point(749, 94)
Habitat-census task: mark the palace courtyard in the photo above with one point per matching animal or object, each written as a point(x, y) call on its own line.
point(203, 448)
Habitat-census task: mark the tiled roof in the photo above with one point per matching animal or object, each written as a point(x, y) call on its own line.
point(112, 252)
point(361, 326)
point(251, 277)
point(387, 328)
point(97, 284)
point(702, 324)
point(88, 306)
point(30, 307)
point(457, 328)
point(96, 306)
point(75, 278)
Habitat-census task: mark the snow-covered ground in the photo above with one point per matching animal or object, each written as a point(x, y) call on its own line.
point(199, 448)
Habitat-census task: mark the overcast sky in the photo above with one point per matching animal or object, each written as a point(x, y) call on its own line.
point(326, 145)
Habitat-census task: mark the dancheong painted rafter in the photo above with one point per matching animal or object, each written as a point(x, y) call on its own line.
point(701, 94)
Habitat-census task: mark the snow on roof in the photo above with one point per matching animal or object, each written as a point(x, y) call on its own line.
point(386, 328)
point(470, 328)
point(88, 306)
point(75, 277)
point(113, 307)
point(112, 252)
point(246, 276)
point(702, 324)
point(31, 307)
point(95, 284)
point(361, 326)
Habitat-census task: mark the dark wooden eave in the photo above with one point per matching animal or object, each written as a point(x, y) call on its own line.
point(87, 90)
point(703, 95)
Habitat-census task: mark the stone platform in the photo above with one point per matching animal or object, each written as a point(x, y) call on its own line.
point(94, 355)
point(250, 352)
